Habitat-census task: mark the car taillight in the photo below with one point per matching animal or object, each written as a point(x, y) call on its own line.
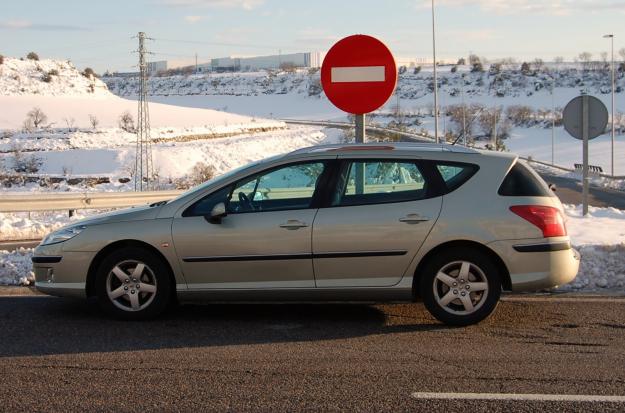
point(548, 219)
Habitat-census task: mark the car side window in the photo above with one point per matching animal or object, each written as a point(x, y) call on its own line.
point(379, 181)
point(286, 188)
point(456, 174)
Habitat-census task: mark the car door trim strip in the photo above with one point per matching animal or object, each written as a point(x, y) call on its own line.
point(276, 257)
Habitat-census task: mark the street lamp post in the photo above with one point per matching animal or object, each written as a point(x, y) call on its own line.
point(435, 77)
point(611, 37)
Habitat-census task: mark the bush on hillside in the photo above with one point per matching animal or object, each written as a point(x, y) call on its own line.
point(94, 121)
point(34, 119)
point(88, 72)
point(126, 122)
point(32, 56)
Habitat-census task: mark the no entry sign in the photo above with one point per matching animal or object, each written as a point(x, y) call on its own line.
point(359, 74)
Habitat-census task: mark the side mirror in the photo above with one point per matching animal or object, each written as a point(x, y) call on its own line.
point(218, 213)
point(553, 187)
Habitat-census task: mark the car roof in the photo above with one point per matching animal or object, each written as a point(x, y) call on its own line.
point(403, 147)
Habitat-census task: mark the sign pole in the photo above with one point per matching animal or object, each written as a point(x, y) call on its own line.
point(360, 169)
point(360, 128)
point(585, 135)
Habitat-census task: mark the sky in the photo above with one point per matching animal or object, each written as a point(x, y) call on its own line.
point(100, 34)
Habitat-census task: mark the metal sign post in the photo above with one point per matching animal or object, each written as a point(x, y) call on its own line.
point(585, 118)
point(360, 128)
point(585, 134)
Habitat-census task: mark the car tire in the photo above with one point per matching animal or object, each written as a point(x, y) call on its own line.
point(460, 286)
point(133, 284)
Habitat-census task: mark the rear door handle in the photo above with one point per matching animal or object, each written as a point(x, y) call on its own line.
point(414, 219)
point(293, 224)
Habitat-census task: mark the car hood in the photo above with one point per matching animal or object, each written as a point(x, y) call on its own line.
point(123, 215)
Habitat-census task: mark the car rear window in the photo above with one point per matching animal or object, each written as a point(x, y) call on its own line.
point(520, 181)
point(455, 174)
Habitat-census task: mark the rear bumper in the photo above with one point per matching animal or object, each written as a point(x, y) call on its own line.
point(538, 266)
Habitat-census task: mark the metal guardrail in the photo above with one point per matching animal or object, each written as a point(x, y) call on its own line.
point(408, 136)
point(83, 200)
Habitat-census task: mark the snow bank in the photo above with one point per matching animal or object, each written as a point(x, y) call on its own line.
point(16, 267)
point(36, 225)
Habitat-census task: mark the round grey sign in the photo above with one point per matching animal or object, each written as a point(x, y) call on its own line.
point(573, 117)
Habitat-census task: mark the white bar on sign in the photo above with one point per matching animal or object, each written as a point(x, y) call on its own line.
point(358, 74)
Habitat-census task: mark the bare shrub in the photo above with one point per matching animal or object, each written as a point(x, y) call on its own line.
point(34, 119)
point(93, 121)
point(88, 73)
point(520, 115)
point(463, 116)
point(314, 87)
point(200, 173)
point(26, 164)
point(126, 122)
point(71, 124)
point(288, 67)
point(491, 119)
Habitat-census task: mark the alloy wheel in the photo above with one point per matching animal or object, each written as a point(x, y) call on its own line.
point(131, 285)
point(460, 288)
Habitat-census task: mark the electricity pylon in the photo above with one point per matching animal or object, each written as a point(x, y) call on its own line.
point(144, 167)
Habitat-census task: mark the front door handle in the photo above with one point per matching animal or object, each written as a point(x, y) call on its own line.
point(293, 224)
point(414, 219)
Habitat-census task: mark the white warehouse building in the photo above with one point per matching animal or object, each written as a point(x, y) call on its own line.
point(246, 64)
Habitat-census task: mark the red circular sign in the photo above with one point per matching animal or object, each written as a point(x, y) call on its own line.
point(359, 74)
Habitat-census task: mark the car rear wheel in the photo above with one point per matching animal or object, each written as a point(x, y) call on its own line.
point(460, 286)
point(133, 284)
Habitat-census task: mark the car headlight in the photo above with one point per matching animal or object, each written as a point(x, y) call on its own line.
point(63, 235)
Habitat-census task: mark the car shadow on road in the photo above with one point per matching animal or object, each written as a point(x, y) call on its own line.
point(34, 326)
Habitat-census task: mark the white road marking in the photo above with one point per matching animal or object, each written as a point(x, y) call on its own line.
point(596, 398)
point(569, 299)
point(358, 74)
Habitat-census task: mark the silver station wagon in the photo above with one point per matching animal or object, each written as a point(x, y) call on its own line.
point(450, 226)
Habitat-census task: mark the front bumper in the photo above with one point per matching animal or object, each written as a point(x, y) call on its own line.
point(533, 268)
point(61, 273)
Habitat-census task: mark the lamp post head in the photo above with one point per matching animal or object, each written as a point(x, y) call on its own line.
point(608, 36)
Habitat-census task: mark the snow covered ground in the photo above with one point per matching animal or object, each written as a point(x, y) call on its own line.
point(297, 96)
point(600, 238)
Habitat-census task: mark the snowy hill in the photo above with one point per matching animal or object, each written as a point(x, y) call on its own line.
point(412, 85)
point(48, 78)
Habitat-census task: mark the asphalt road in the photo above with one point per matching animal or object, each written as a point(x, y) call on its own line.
point(63, 355)
point(570, 192)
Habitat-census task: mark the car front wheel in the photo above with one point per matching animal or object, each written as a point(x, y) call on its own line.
point(133, 284)
point(461, 286)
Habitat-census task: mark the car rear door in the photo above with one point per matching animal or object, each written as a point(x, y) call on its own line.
point(379, 214)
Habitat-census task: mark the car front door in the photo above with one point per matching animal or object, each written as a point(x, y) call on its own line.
point(264, 241)
point(379, 215)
